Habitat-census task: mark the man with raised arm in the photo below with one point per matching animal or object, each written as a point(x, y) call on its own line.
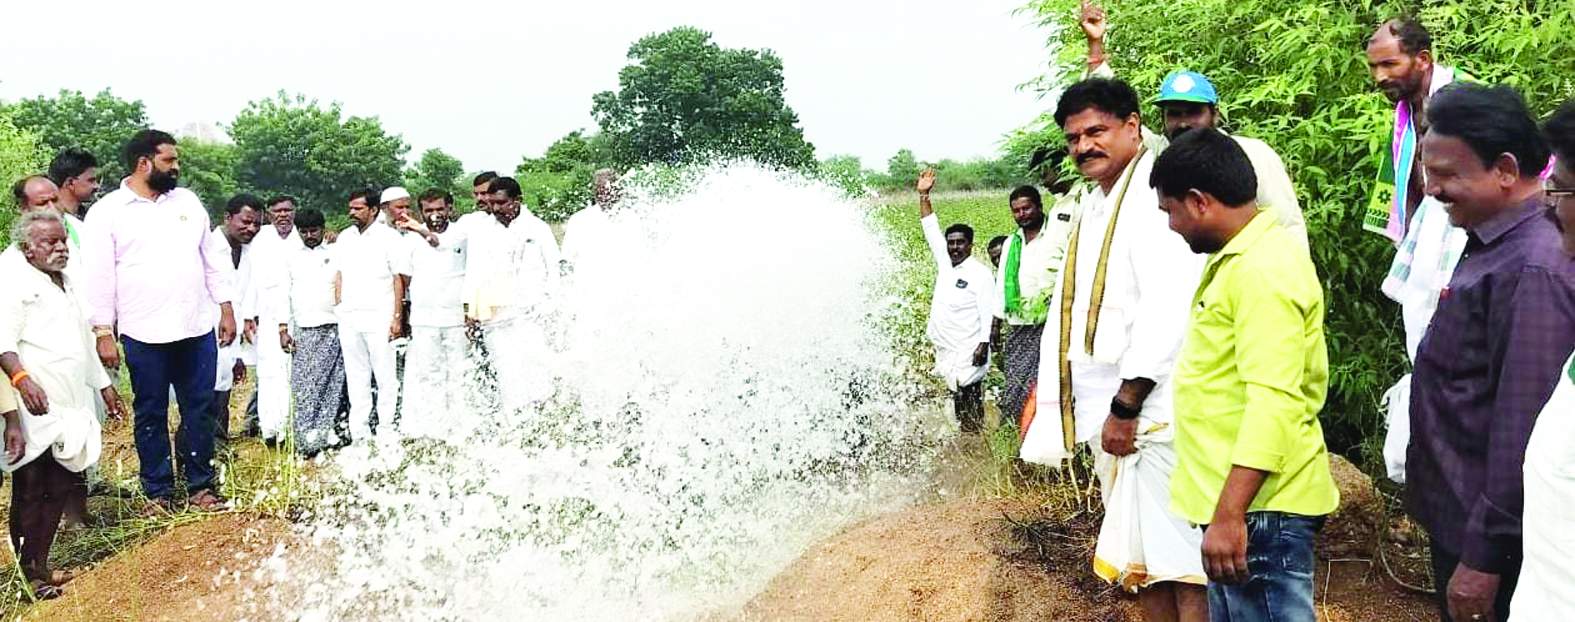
point(962, 308)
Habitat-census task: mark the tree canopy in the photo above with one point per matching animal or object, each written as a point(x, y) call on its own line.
point(683, 97)
point(101, 124)
point(296, 146)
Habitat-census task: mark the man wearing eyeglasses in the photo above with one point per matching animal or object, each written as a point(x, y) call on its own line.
point(1548, 572)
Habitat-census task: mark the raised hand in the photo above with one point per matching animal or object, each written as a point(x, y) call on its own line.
point(926, 181)
point(1092, 19)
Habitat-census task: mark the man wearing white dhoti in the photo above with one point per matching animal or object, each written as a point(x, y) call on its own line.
point(962, 307)
point(1118, 316)
point(510, 276)
point(270, 253)
point(47, 353)
point(436, 366)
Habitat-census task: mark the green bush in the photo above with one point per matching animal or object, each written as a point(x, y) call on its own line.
point(20, 155)
point(1294, 74)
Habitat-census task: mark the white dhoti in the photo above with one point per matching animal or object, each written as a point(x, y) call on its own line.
point(70, 435)
point(437, 377)
point(517, 349)
point(273, 382)
point(369, 357)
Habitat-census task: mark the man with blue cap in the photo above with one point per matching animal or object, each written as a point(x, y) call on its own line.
point(1188, 100)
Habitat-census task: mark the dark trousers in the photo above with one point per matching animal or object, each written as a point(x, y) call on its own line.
point(221, 415)
point(39, 493)
point(969, 404)
point(1444, 563)
point(189, 366)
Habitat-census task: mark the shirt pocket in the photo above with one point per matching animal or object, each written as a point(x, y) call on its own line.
point(1113, 336)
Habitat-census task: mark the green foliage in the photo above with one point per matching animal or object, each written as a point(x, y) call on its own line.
point(292, 145)
point(208, 169)
point(20, 156)
point(440, 170)
point(683, 97)
point(558, 183)
point(902, 170)
point(846, 172)
point(1294, 74)
point(101, 125)
point(902, 166)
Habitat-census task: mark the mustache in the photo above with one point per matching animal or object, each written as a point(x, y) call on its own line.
point(1090, 155)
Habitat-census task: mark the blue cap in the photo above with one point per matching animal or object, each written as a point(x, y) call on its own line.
point(1187, 86)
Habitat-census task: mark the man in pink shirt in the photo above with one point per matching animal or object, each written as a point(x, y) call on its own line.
point(153, 279)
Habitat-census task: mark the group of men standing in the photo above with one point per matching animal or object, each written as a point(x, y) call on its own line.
point(1185, 341)
point(324, 319)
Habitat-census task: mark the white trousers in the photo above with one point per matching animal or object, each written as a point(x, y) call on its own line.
point(518, 351)
point(437, 367)
point(273, 383)
point(369, 356)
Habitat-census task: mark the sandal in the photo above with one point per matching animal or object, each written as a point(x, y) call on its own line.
point(157, 508)
point(44, 591)
point(58, 578)
point(207, 501)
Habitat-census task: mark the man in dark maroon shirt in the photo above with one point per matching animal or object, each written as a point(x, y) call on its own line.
point(1492, 354)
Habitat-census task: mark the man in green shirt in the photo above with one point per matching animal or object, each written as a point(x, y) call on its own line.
point(1251, 465)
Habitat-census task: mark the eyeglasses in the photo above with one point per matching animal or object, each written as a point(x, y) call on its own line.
point(1553, 195)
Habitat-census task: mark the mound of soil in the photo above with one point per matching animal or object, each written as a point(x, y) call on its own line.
point(199, 571)
point(1007, 561)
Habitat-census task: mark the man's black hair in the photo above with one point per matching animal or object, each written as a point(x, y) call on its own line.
point(506, 185)
point(365, 193)
point(309, 218)
point(1492, 120)
point(1105, 94)
point(280, 198)
point(145, 144)
point(966, 230)
point(1206, 160)
point(999, 240)
point(1412, 35)
point(72, 162)
point(484, 178)
point(1559, 131)
point(1027, 192)
point(241, 201)
point(434, 194)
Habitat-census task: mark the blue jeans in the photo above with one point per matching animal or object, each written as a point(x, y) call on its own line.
point(1280, 562)
point(189, 365)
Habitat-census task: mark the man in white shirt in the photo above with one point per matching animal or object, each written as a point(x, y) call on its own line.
point(46, 350)
point(370, 262)
point(233, 238)
point(1028, 270)
point(152, 277)
point(436, 367)
point(510, 276)
point(962, 308)
point(308, 329)
point(582, 229)
point(270, 405)
point(1119, 314)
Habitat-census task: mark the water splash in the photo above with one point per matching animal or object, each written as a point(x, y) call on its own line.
point(726, 395)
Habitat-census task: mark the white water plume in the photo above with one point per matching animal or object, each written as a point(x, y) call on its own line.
point(727, 394)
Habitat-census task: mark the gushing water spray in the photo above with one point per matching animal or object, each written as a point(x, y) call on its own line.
point(726, 394)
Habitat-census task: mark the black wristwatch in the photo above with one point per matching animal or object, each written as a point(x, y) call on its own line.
point(1123, 411)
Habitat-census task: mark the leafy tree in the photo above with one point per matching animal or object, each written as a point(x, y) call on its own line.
point(1294, 74)
point(845, 171)
point(437, 169)
point(902, 168)
point(683, 97)
point(295, 146)
point(559, 182)
point(101, 125)
point(208, 169)
point(20, 155)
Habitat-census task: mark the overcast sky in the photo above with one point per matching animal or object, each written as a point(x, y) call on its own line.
point(492, 81)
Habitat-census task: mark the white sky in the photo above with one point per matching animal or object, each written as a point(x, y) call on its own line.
point(492, 81)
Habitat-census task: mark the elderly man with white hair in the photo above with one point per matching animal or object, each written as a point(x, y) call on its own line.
point(47, 353)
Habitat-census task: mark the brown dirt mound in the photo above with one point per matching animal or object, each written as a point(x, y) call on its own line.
point(1006, 561)
point(957, 561)
point(198, 571)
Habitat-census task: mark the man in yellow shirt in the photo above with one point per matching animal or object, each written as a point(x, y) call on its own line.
point(1251, 465)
